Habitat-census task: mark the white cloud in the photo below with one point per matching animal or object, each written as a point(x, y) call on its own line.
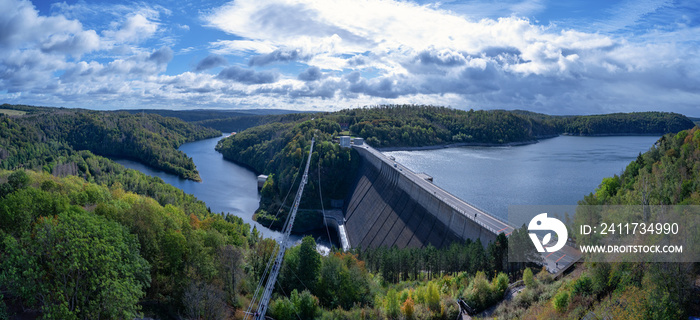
point(22, 27)
point(240, 47)
point(135, 28)
point(422, 50)
point(388, 30)
point(40, 55)
point(75, 44)
point(336, 53)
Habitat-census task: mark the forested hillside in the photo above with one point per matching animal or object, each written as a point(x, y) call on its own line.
point(77, 250)
point(279, 149)
point(667, 174)
point(228, 120)
point(626, 123)
point(240, 123)
point(72, 249)
point(409, 125)
point(194, 115)
point(39, 138)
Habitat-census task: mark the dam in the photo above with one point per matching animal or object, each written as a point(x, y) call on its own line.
point(390, 205)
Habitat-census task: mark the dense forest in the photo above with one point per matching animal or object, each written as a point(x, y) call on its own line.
point(625, 123)
point(195, 115)
point(408, 125)
point(77, 250)
point(228, 120)
point(412, 125)
point(39, 138)
point(240, 123)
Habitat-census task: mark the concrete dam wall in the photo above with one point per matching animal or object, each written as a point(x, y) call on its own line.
point(392, 206)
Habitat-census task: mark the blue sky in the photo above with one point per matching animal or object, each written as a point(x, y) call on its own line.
point(556, 57)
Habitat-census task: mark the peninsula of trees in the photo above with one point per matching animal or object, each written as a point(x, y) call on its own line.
point(48, 139)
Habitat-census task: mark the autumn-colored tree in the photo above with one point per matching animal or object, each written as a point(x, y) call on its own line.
point(408, 308)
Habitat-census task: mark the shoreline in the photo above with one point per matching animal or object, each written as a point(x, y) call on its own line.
point(466, 144)
point(510, 144)
point(628, 134)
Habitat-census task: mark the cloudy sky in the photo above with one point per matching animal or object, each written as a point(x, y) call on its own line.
point(551, 56)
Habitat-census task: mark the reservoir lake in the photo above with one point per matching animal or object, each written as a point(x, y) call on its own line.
point(556, 171)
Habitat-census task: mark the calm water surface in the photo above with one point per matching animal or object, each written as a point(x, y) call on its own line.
point(557, 171)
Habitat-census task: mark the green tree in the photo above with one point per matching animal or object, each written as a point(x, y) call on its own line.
point(500, 284)
point(529, 278)
point(18, 179)
point(608, 188)
point(433, 297)
point(21, 208)
point(391, 304)
point(283, 309)
point(309, 262)
point(298, 306)
point(583, 285)
point(561, 301)
point(479, 293)
point(305, 304)
point(76, 265)
point(343, 282)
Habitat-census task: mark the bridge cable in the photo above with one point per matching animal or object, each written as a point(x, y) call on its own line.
point(260, 283)
point(288, 192)
point(295, 275)
point(290, 299)
point(262, 280)
point(323, 211)
point(257, 291)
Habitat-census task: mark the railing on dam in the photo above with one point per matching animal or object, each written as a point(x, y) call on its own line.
point(469, 211)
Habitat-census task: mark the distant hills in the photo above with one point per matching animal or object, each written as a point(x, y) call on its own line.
point(695, 120)
point(542, 124)
point(208, 114)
